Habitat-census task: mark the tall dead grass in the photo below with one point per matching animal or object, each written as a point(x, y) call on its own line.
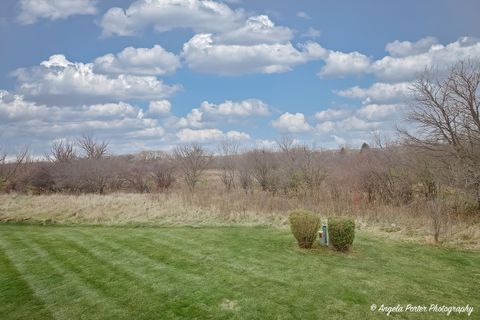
point(211, 205)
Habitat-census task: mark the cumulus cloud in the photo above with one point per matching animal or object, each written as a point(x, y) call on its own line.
point(227, 111)
point(233, 44)
point(193, 119)
point(14, 108)
point(58, 80)
point(32, 10)
point(356, 126)
point(379, 92)
point(292, 123)
point(330, 114)
point(256, 30)
point(379, 111)
point(203, 54)
point(138, 61)
point(265, 144)
point(339, 64)
point(164, 15)
point(209, 135)
point(245, 108)
point(159, 107)
point(407, 48)
point(155, 132)
point(24, 121)
point(405, 60)
point(417, 57)
point(325, 127)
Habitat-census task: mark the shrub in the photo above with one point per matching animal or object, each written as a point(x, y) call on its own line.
point(304, 225)
point(341, 232)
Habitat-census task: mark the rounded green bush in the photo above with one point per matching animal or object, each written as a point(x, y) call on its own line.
point(341, 232)
point(304, 225)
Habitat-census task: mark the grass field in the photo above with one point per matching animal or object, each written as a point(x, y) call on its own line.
point(73, 272)
point(213, 208)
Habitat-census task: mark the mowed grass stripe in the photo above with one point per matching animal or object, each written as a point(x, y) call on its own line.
point(411, 258)
point(137, 298)
point(208, 285)
point(228, 279)
point(133, 259)
point(17, 298)
point(340, 289)
point(167, 284)
point(191, 259)
point(64, 293)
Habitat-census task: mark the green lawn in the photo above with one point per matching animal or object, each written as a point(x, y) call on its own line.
point(68, 272)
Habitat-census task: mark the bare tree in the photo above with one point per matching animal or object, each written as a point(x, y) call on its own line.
point(93, 148)
point(11, 171)
point(313, 168)
point(163, 174)
point(61, 152)
point(436, 210)
point(136, 176)
point(263, 168)
point(192, 161)
point(228, 153)
point(287, 145)
point(446, 111)
point(245, 175)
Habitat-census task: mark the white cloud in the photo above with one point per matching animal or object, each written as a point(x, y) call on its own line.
point(58, 80)
point(164, 15)
point(243, 108)
point(138, 61)
point(257, 30)
point(407, 48)
point(265, 144)
point(15, 108)
point(32, 10)
point(155, 132)
point(208, 135)
point(120, 109)
point(237, 135)
point(339, 64)
point(357, 124)
point(379, 111)
point(193, 119)
point(159, 107)
point(292, 123)
point(23, 121)
point(403, 68)
point(406, 59)
point(228, 111)
point(202, 54)
point(227, 41)
point(331, 114)
point(324, 127)
point(379, 92)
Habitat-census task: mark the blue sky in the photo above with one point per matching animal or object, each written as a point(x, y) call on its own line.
point(150, 74)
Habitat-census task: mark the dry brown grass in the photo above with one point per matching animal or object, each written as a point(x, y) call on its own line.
point(214, 207)
point(123, 208)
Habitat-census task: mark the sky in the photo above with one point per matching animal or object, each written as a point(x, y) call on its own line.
point(152, 74)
